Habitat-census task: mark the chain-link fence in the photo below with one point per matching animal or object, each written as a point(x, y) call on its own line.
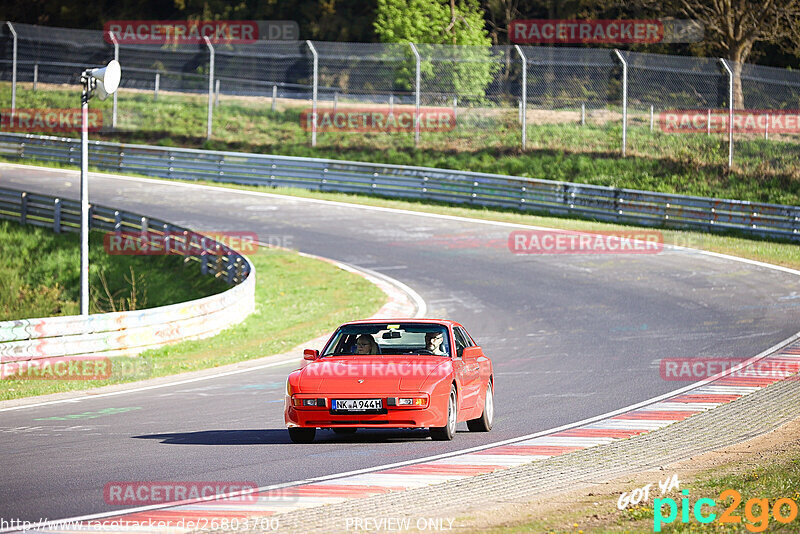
point(507, 97)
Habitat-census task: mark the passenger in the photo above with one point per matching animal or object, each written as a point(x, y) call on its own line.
point(433, 342)
point(365, 344)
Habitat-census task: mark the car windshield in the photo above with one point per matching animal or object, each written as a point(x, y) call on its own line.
point(389, 338)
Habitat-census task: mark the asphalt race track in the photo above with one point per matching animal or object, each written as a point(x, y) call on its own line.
point(571, 336)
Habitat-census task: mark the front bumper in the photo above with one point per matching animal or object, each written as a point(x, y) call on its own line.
point(390, 416)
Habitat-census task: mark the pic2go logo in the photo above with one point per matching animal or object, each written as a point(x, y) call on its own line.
point(758, 522)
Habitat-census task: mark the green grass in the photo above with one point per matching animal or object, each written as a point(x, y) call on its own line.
point(40, 273)
point(764, 170)
point(297, 298)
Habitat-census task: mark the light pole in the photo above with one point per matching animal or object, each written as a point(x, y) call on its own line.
point(101, 82)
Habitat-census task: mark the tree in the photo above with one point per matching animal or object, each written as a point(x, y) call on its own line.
point(733, 26)
point(435, 22)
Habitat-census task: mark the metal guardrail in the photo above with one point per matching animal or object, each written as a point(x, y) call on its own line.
point(130, 332)
point(398, 181)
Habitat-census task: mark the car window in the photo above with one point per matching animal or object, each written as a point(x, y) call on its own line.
point(460, 341)
point(391, 338)
point(467, 339)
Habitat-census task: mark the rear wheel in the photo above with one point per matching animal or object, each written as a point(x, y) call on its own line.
point(484, 422)
point(345, 430)
point(302, 435)
point(446, 433)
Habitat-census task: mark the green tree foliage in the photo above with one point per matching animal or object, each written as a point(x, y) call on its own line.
point(428, 23)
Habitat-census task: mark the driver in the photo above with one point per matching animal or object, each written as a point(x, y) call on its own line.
point(433, 342)
point(365, 344)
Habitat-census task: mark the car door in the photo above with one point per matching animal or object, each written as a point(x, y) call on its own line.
point(470, 370)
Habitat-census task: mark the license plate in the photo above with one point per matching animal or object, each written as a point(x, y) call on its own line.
point(356, 405)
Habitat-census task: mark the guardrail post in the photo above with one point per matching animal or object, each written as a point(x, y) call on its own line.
point(624, 100)
point(524, 102)
point(57, 216)
point(416, 93)
point(23, 208)
point(730, 111)
point(210, 85)
point(144, 225)
point(167, 238)
point(203, 263)
point(13, 70)
point(116, 58)
point(155, 89)
point(35, 76)
point(117, 221)
point(274, 96)
point(314, 93)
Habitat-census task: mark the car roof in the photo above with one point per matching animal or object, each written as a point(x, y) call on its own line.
point(444, 322)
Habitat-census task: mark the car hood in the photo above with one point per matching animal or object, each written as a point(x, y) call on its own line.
point(377, 374)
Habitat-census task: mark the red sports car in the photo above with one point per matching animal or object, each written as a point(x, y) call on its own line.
point(402, 373)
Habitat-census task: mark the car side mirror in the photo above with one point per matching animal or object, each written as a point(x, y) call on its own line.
point(310, 354)
point(471, 353)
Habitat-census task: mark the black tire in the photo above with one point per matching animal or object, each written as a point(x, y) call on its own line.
point(302, 435)
point(344, 430)
point(484, 422)
point(446, 433)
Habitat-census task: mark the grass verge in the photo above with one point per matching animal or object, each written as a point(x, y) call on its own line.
point(297, 298)
point(40, 273)
point(485, 140)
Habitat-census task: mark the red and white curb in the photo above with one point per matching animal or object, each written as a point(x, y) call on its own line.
point(275, 500)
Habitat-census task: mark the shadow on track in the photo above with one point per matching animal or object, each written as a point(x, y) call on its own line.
point(273, 436)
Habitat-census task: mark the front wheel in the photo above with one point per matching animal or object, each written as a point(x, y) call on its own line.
point(484, 422)
point(302, 435)
point(446, 433)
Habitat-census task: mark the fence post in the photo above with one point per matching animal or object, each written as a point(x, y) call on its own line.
point(730, 111)
point(651, 118)
point(708, 122)
point(35, 76)
point(524, 107)
point(57, 216)
point(416, 94)
point(274, 96)
point(116, 58)
point(210, 85)
point(391, 104)
point(766, 126)
point(158, 82)
point(624, 100)
point(455, 108)
point(13, 70)
point(314, 94)
point(583, 113)
point(335, 100)
point(216, 94)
